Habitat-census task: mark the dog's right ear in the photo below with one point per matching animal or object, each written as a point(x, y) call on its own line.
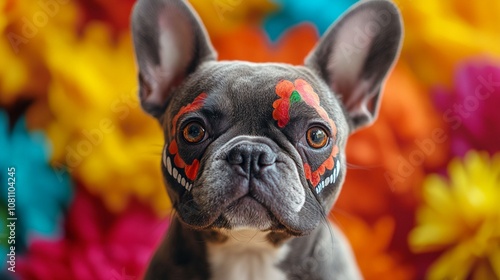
point(170, 43)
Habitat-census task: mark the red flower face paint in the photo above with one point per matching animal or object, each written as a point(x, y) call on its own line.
point(290, 93)
point(301, 91)
point(189, 169)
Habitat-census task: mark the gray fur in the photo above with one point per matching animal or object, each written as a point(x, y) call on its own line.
point(251, 172)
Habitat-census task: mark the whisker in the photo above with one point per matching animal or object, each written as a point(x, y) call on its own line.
point(326, 223)
point(342, 212)
point(362, 167)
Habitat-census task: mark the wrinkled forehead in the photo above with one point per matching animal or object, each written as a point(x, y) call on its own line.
point(245, 85)
point(251, 80)
point(242, 88)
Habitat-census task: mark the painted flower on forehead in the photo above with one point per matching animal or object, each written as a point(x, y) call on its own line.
point(460, 217)
point(291, 93)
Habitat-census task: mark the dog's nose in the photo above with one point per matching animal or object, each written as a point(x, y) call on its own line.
point(251, 158)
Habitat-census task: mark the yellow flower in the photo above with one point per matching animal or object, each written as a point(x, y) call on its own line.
point(226, 16)
point(98, 130)
point(3, 19)
point(24, 32)
point(461, 216)
point(440, 34)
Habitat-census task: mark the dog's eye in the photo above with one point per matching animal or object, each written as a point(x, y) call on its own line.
point(193, 133)
point(317, 137)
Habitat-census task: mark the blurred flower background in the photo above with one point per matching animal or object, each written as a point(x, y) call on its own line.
point(422, 195)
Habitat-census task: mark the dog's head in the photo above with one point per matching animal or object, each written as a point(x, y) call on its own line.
point(259, 145)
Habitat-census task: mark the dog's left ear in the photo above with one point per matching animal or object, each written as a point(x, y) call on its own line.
point(356, 54)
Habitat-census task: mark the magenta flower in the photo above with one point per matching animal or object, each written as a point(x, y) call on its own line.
point(471, 108)
point(97, 244)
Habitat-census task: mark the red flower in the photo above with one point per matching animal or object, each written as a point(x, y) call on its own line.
point(471, 108)
point(97, 244)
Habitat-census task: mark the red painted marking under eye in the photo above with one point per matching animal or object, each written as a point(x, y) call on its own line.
point(281, 114)
point(191, 170)
point(315, 177)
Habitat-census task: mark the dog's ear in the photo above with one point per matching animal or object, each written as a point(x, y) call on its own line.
point(170, 43)
point(356, 54)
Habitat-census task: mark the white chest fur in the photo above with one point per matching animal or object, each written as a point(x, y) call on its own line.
point(246, 255)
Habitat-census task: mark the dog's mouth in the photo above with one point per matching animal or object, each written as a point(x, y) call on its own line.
point(247, 211)
point(268, 197)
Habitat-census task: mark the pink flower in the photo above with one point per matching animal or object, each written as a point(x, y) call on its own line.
point(97, 244)
point(471, 108)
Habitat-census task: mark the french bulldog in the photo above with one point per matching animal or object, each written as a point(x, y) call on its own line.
point(254, 155)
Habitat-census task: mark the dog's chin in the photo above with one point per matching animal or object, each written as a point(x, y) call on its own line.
point(247, 212)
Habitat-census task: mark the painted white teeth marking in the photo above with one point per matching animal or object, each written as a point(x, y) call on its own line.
point(330, 179)
point(175, 173)
point(337, 168)
point(320, 187)
point(169, 166)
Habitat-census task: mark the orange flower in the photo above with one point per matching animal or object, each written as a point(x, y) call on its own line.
point(370, 244)
point(224, 17)
point(250, 43)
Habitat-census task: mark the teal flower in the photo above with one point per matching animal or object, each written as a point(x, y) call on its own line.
point(41, 195)
point(321, 13)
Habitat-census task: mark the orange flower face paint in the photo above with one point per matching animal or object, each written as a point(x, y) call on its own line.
point(301, 91)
